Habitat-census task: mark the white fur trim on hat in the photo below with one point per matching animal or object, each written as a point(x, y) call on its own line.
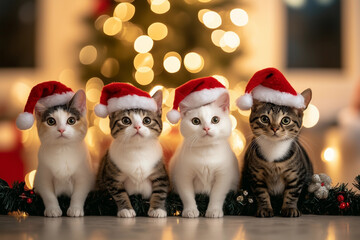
point(244, 102)
point(202, 97)
point(265, 94)
point(25, 120)
point(130, 102)
point(173, 116)
point(101, 110)
point(56, 99)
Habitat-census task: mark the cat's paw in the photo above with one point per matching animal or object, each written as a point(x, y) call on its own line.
point(75, 212)
point(265, 212)
point(290, 212)
point(214, 213)
point(53, 212)
point(157, 213)
point(190, 213)
point(126, 213)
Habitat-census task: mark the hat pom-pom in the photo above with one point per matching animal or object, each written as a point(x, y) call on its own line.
point(25, 120)
point(101, 110)
point(173, 116)
point(245, 101)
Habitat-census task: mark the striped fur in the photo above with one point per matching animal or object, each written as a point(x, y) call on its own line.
point(275, 162)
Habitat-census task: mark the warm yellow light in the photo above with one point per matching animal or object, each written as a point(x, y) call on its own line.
point(311, 116)
point(201, 14)
point(230, 39)
point(295, 3)
point(124, 11)
point(170, 99)
point(237, 142)
point(233, 121)
point(143, 44)
point(8, 136)
point(144, 75)
point(93, 95)
point(329, 154)
point(143, 60)
point(155, 89)
point(131, 32)
point(104, 125)
point(110, 68)
point(112, 26)
point(67, 77)
point(20, 92)
point(223, 80)
point(91, 136)
point(193, 62)
point(29, 179)
point(204, 1)
point(172, 62)
point(245, 113)
point(157, 31)
point(160, 6)
point(233, 96)
point(99, 22)
point(212, 19)
point(166, 128)
point(94, 82)
point(88, 54)
point(239, 17)
point(216, 36)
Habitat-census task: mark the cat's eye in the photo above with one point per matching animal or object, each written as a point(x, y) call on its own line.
point(264, 119)
point(285, 121)
point(71, 121)
point(126, 121)
point(50, 121)
point(215, 120)
point(146, 120)
point(195, 121)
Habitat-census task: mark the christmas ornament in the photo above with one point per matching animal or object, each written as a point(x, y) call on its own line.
point(342, 206)
point(195, 93)
point(270, 85)
point(119, 96)
point(48, 94)
point(29, 200)
point(320, 185)
point(340, 198)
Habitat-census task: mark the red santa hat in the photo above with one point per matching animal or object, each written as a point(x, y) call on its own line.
point(119, 96)
point(49, 94)
point(195, 93)
point(270, 85)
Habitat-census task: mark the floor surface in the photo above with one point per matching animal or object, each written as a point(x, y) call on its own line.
point(307, 227)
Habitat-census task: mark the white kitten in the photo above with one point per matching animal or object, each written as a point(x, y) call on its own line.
point(64, 160)
point(205, 163)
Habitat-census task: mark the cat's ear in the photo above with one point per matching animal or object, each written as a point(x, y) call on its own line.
point(39, 109)
point(307, 94)
point(223, 102)
point(256, 105)
point(78, 101)
point(158, 97)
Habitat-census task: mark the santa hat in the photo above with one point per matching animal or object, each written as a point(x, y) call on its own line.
point(195, 93)
point(270, 85)
point(49, 94)
point(119, 96)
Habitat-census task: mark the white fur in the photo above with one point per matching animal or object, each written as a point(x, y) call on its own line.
point(63, 168)
point(204, 164)
point(131, 101)
point(25, 120)
point(272, 149)
point(265, 94)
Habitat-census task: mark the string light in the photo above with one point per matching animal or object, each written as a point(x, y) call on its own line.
point(124, 11)
point(229, 42)
point(212, 19)
point(193, 62)
point(143, 44)
point(172, 62)
point(216, 36)
point(112, 26)
point(157, 31)
point(329, 154)
point(160, 6)
point(239, 17)
point(311, 116)
point(88, 54)
point(201, 14)
point(143, 60)
point(144, 75)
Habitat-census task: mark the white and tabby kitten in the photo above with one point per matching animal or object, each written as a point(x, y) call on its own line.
point(64, 160)
point(205, 163)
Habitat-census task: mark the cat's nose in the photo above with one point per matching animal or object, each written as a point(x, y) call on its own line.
point(206, 129)
point(275, 129)
point(137, 127)
point(61, 130)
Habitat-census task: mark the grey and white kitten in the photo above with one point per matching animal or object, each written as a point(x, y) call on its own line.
point(204, 162)
point(64, 160)
point(134, 161)
point(275, 162)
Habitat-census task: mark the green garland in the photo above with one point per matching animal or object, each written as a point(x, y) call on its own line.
point(341, 201)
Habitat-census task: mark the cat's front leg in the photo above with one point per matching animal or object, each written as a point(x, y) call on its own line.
point(160, 187)
point(185, 188)
point(291, 197)
point(264, 208)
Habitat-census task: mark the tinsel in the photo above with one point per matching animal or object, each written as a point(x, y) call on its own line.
point(236, 203)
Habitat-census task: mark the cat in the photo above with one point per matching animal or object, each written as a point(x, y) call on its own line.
point(204, 162)
point(275, 162)
point(133, 163)
point(64, 160)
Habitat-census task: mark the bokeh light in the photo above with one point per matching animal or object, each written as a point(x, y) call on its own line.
point(329, 154)
point(233, 122)
point(155, 89)
point(311, 116)
point(29, 179)
point(143, 44)
point(104, 125)
point(172, 62)
point(193, 62)
point(216, 36)
point(112, 26)
point(124, 11)
point(223, 80)
point(239, 17)
point(144, 75)
point(93, 95)
point(88, 54)
point(212, 19)
point(143, 60)
point(201, 14)
point(237, 142)
point(157, 31)
point(110, 68)
point(160, 6)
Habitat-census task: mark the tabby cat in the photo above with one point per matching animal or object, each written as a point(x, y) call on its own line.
point(275, 162)
point(133, 163)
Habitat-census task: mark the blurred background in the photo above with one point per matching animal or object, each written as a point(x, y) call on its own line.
point(160, 44)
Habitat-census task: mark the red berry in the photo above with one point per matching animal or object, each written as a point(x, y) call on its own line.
point(322, 184)
point(347, 205)
point(32, 192)
point(340, 198)
point(29, 200)
point(342, 205)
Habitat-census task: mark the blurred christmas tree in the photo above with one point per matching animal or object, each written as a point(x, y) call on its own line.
point(161, 42)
